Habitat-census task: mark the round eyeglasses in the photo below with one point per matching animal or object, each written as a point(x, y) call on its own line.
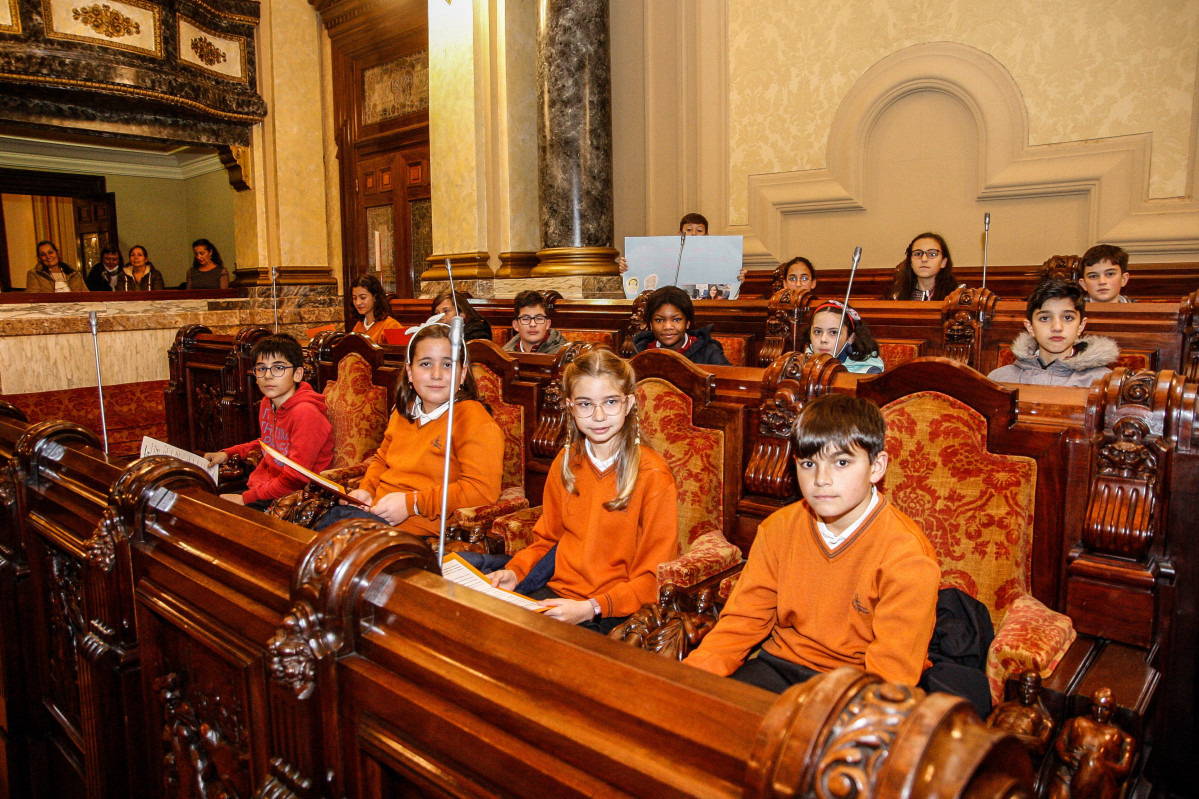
point(276, 369)
point(919, 254)
point(585, 409)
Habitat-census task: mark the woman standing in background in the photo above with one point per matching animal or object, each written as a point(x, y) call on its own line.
point(208, 270)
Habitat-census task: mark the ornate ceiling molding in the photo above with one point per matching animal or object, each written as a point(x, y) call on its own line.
point(183, 71)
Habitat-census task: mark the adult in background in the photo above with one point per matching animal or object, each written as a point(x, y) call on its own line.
point(51, 274)
point(140, 274)
point(106, 275)
point(207, 270)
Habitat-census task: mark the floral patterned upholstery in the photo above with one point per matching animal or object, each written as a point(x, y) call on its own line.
point(357, 409)
point(500, 335)
point(696, 457)
point(975, 507)
point(895, 353)
point(1032, 637)
point(605, 337)
point(736, 348)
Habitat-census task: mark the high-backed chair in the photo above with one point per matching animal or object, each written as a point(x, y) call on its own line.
point(700, 438)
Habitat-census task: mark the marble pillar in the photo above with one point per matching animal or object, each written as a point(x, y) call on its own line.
point(574, 139)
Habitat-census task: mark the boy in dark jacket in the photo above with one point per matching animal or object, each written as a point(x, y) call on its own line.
point(293, 422)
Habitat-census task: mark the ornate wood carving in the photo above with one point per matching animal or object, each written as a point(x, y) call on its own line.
point(205, 742)
point(1188, 314)
point(48, 438)
point(867, 737)
point(324, 586)
point(124, 65)
point(1124, 509)
point(1062, 267)
point(789, 382)
point(636, 324)
point(550, 430)
point(673, 626)
point(67, 624)
point(285, 782)
point(964, 314)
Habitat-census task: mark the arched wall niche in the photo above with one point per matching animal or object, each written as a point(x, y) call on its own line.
point(1043, 199)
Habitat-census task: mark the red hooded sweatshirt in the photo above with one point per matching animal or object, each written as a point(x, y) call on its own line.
point(301, 431)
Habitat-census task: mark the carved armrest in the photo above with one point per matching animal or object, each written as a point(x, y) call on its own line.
point(672, 626)
point(708, 555)
point(236, 471)
point(469, 527)
point(514, 532)
point(1031, 637)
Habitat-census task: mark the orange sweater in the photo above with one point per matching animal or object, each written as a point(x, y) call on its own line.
point(375, 334)
point(871, 604)
point(411, 459)
point(610, 555)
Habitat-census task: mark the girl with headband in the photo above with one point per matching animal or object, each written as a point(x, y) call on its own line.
point(854, 346)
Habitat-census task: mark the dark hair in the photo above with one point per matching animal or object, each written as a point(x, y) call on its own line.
point(406, 393)
point(214, 256)
point(1105, 252)
point(1055, 289)
point(713, 287)
point(863, 345)
point(282, 345)
point(838, 423)
point(112, 250)
point(670, 295)
point(799, 259)
point(463, 307)
point(63, 265)
point(382, 308)
point(145, 252)
point(905, 279)
point(529, 299)
point(693, 219)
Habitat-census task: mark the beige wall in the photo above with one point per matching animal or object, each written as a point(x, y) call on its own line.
point(809, 129)
point(21, 239)
point(153, 212)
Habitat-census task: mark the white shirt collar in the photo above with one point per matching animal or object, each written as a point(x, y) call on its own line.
point(831, 540)
point(423, 418)
point(601, 465)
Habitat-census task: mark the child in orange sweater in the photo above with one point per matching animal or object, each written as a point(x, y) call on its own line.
point(610, 505)
point(402, 486)
point(839, 579)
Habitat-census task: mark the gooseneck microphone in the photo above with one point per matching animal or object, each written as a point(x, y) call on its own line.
point(679, 265)
point(853, 270)
point(91, 320)
point(986, 242)
point(456, 326)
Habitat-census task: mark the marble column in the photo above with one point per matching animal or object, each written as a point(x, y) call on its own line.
point(574, 139)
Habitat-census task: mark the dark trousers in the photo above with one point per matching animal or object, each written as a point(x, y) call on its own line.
point(772, 673)
point(535, 580)
point(342, 512)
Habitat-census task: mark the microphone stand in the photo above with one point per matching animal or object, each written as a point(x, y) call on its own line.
point(274, 296)
point(853, 270)
point(986, 242)
point(456, 325)
point(91, 320)
point(679, 265)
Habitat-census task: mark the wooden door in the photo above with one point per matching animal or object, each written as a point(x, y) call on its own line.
point(95, 227)
point(387, 185)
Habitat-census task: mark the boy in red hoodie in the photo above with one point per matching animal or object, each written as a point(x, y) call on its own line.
point(292, 419)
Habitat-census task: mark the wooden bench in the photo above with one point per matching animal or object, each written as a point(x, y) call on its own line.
point(187, 646)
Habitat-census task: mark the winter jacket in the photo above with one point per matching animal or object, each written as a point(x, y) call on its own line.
point(1091, 359)
point(703, 349)
point(870, 365)
point(552, 343)
point(128, 282)
point(301, 431)
point(39, 280)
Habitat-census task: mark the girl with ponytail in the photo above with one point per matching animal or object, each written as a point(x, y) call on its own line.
point(610, 505)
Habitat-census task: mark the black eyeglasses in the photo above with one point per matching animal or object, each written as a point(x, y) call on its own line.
point(276, 369)
point(918, 254)
point(539, 319)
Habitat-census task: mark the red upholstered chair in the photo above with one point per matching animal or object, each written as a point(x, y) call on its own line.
point(605, 338)
point(700, 439)
point(1130, 359)
point(736, 347)
point(973, 492)
point(897, 351)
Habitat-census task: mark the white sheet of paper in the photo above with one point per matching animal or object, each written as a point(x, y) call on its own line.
point(457, 570)
point(152, 446)
point(706, 261)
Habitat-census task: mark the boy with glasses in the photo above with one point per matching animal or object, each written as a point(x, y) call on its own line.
point(534, 329)
point(292, 419)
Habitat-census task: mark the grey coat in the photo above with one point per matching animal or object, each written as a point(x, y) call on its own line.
point(1091, 360)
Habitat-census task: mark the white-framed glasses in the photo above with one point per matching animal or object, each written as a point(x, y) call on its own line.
point(539, 319)
point(918, 254)
point(276, 369)
point(585, 408)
